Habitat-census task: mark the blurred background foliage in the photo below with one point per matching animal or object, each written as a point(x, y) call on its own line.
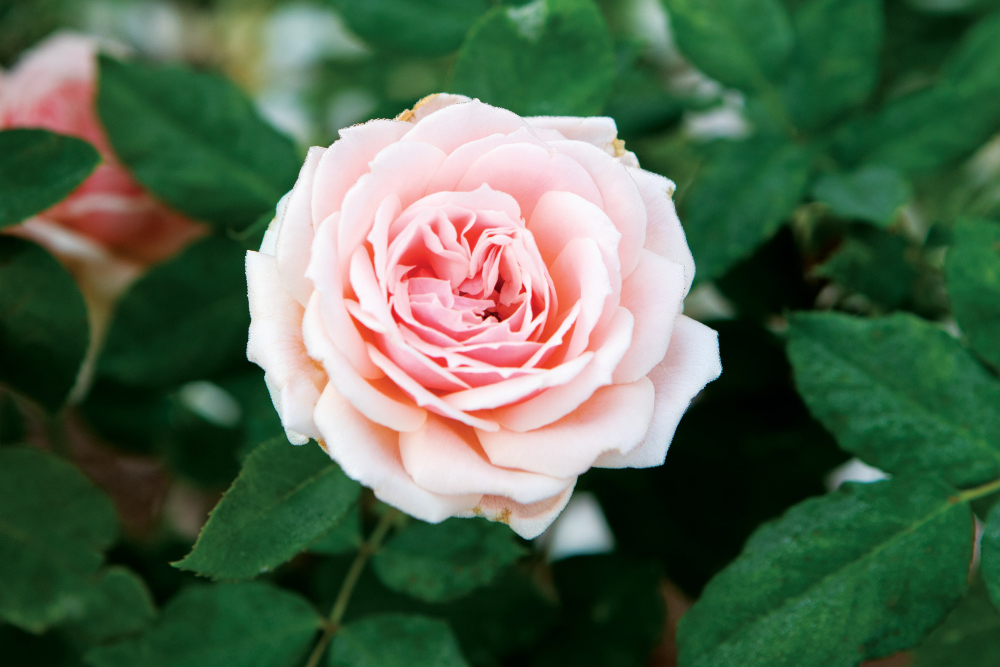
point(823, 150)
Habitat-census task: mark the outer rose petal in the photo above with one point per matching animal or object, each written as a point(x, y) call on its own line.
point(445, 457)
point(664, 235)
point(692, 361)
point(614, 417)
point(275, 344)
point(528, 521)
point(369, 453)
point(654, 294)
point(293, 242)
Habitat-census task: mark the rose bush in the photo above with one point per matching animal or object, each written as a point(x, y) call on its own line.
point(469, 309)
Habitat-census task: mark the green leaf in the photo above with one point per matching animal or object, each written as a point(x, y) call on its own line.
point(836, 580)
point(344, 537)
point(442, 562)
point(182, 320)
point(283, 500)
point(250, 625)
point(935, 126)
point(420, 28)
point(836, 62)
point(395, 640)
point(741, 43)
point(121, 605)
point(873, 193)
point(900, 393)
point(612, 613)
point(195, 141)
point(990, 554)
point(746, 191)
point(38, 169)
point(548, 57)
point(969, 637)
point(44, 331)
point(54, 526)
point(972, 267)
point(873, 262)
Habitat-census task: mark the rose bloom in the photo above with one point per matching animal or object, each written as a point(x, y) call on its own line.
point(108, 229)
point(468, 309)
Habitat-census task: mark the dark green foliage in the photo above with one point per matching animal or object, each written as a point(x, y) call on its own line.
point(548, 57)
point(744, 194)
point(284, 499)
point(421, 28)
point(195, 141)
point(861, 573)
point(900, 393)
point(44, 331)
point(50, 550)
point(38, 169)
point(250, 624)
point(202, 289)
point(969, 637)
point(438, 563)
point(415, 640)
point(973, 271)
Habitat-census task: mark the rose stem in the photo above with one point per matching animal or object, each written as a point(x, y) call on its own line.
point(368, 547)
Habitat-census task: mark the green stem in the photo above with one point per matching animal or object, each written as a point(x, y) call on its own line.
point(368, 548)
point(979, 491)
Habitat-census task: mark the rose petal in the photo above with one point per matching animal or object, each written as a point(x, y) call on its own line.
point(275, 344)
point(615, 417)
point(664, 234)
point(623, 203)
point(369, 453)
point(557, 402)
point(347, 160)
point(324, 272)
point(400, 170)
point(654, 294)
point(526, 172)
point(428, 105)
point(445, 457)
point(692, 361)
point(457, 124)
point(379, 400)
point(293, 243)
point(528, 521)
point(599, 131)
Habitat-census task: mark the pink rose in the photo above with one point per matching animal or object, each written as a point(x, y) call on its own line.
point(54, 87)
point(469, 309)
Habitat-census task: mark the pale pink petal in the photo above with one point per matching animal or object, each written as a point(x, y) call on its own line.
point(528, 521)
point(654, 294)
point(615, 417)
point(295, 231)
point(599, 131)
point(379, 400)
point(347, 160)
point(325, 274)
point(555, 403)
point(692, 361)
point(623, 203)
point(425, 398)
point(456, 124)
point(444, 457)
point(458, 161)
point(526, 172)
point(400, 170)
point(369, 454)
point(664, 234)
point(559, 217)
point(507, 392)
point(275, 344)
point(581, 277)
